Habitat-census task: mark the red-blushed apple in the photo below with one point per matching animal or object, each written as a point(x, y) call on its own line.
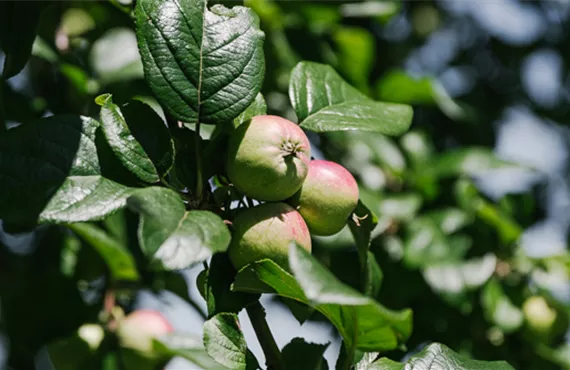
point(268, 158)
point(327, 198)
point(267, 231)
point(137, 330)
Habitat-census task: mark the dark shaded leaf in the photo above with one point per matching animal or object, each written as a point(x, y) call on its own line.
point(50, 171)
point(218, 295)
point(300, 355)
point(18, 24)
point(139, 138)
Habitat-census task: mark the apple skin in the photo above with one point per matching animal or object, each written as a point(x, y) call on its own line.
point(268, 158)
point(138, 329)
point(267, 231)
point(327, 198)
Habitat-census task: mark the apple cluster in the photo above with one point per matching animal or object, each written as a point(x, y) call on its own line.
point(269, 159)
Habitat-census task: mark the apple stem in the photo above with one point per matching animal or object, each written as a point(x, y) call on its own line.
point(256, 314)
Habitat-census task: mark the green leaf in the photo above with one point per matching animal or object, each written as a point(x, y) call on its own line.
point(438, 356)
point(450, 220)
point(361, 224)
point(499, 309)
point(172, 237)
point(418, 146)
point(85, 198)
point(225, 343)
point(399, 87)
point(114, 56)
point(257, 108)
point(300, 355)
point(18, 24)
point(363, 323)
point(384, 150)
point(426, 245)
point(203, 65)
point(457, 277)
point(138, 138)
point(119, 260)
point(50, 171)
point(466, 161)
point(187, 347)
point(218, 295)
point(384, 10)
point(356, 51)
point(324, 102)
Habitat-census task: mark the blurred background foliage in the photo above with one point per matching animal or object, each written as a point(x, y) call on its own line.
point(473, 203)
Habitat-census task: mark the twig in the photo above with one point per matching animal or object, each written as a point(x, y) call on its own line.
point(256, 314)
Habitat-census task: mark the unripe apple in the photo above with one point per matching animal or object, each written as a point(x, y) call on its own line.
point(268, 158)
point(138, 329)
point(539, 317)
point(267, 231)
point(327, 198)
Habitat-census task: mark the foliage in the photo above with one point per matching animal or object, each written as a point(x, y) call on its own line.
point(112, 164)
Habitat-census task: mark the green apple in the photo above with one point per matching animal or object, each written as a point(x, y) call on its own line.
point(327, 198)
point(268, 158)
point(267, 231)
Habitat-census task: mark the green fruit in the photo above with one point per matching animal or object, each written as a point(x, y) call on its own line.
point(267, 231)
point(268, 158)
point(539, 317)
point(328, 196)
point(137, 331)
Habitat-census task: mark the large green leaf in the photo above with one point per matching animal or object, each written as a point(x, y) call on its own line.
point(324, 102)
point(138, 137)
point(362, 322)
point(203, 65)
point(172, 237)
point(437, 356)
point(119, 260)
point(18, 23)
point(50, 171)
point(225, 343)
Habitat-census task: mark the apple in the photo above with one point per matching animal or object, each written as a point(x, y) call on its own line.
point(327, 198)
point(268, 158)
point(267, 231)
point(137, 330)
